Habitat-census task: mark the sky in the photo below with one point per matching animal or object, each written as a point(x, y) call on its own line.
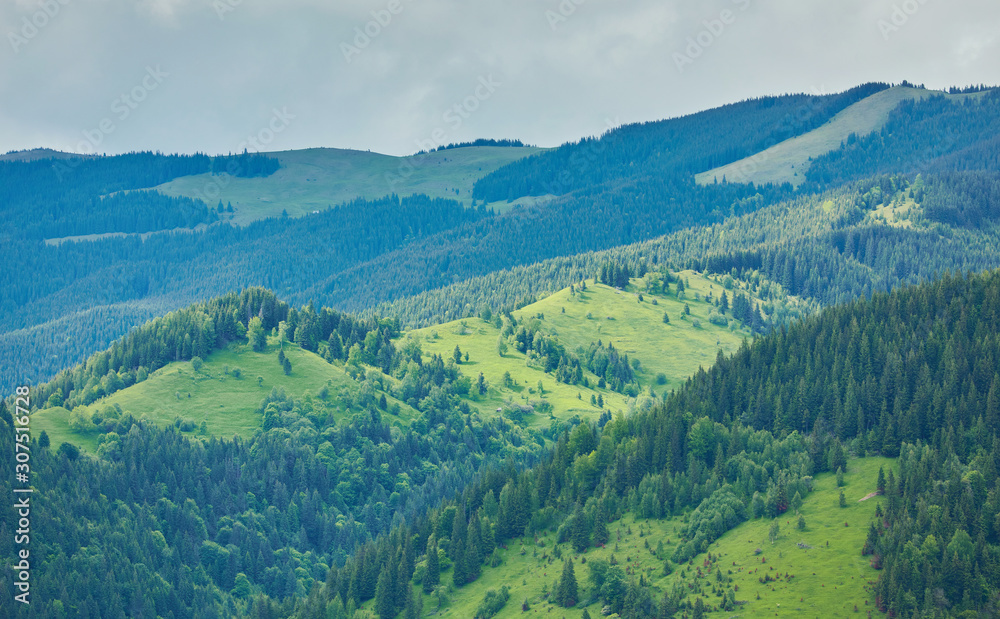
point(397, 76)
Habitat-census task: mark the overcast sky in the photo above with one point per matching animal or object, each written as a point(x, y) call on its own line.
point(387, 75)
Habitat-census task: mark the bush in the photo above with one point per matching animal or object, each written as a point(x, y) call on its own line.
point(493, 602)
point(661, 379)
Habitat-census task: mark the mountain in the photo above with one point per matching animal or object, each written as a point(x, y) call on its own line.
point(495, 380)
point(909, 374)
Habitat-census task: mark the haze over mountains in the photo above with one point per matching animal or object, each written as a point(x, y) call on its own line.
point(335, 383)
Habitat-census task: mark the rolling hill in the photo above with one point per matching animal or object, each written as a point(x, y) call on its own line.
point(222, 396)
point(788, 161)
point(320, 178)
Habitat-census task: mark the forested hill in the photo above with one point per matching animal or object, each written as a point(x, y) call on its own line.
point(678, 147)
point(630, 186)
point(867, 237)
point(161, 522)
point(62, 196)
point(912, 373)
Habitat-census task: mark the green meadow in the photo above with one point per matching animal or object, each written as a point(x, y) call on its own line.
point(788, 161)
point(579, 318)
point(826, 576)
point(224, 394)
point(318, 178)
point(213, 394)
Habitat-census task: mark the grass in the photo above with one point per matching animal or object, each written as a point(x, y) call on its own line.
point(227, 405)
point(55, 422)
point(829, 580)
point(315, 179)
point(788, 161)
point(677, 349)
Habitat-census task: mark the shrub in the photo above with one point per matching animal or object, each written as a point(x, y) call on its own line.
point(493, 602)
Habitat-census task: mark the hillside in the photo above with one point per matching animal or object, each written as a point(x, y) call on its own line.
point(617, 190)
point(788, 161)
point(583, 362)
point(753, 438)
point(815, 571)
point(319, 178)
point(222, 396)
point(575, 320)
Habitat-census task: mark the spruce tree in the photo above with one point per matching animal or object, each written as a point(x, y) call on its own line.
point(566, 591)
point(385, 590)
point(581, 530)
point(432, 577)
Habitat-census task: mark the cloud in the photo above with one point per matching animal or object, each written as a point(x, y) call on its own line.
point(231, 62)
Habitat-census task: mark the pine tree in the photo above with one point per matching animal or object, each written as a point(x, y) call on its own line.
point(566, 591)
point(256, 334)
point(699, 609)
point(601, 534)
point(459, 557)
point(385, 601)
point(432, 577)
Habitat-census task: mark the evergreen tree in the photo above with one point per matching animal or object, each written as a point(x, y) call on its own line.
point(432, 577)
point(566, 590)
point(385, 590)
point(581, 530)
point(256, 334)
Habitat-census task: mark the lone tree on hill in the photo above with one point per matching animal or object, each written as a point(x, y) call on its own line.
point(566, 591)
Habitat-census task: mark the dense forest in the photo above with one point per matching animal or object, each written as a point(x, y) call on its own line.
point(676, 148)
point(912, 374)
point(184, 267)
point(268, 515)
point(829, 248)
point(644, 196)
point(53, 198)
point(930, 135)
point(877, 321)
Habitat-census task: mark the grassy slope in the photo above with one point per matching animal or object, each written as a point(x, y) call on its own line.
point(227, 405)
point(677, 349)
point(828, 580)
point(789, 160)
point(317, 178)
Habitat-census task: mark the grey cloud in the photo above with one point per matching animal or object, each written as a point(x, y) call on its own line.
point(565, 65)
